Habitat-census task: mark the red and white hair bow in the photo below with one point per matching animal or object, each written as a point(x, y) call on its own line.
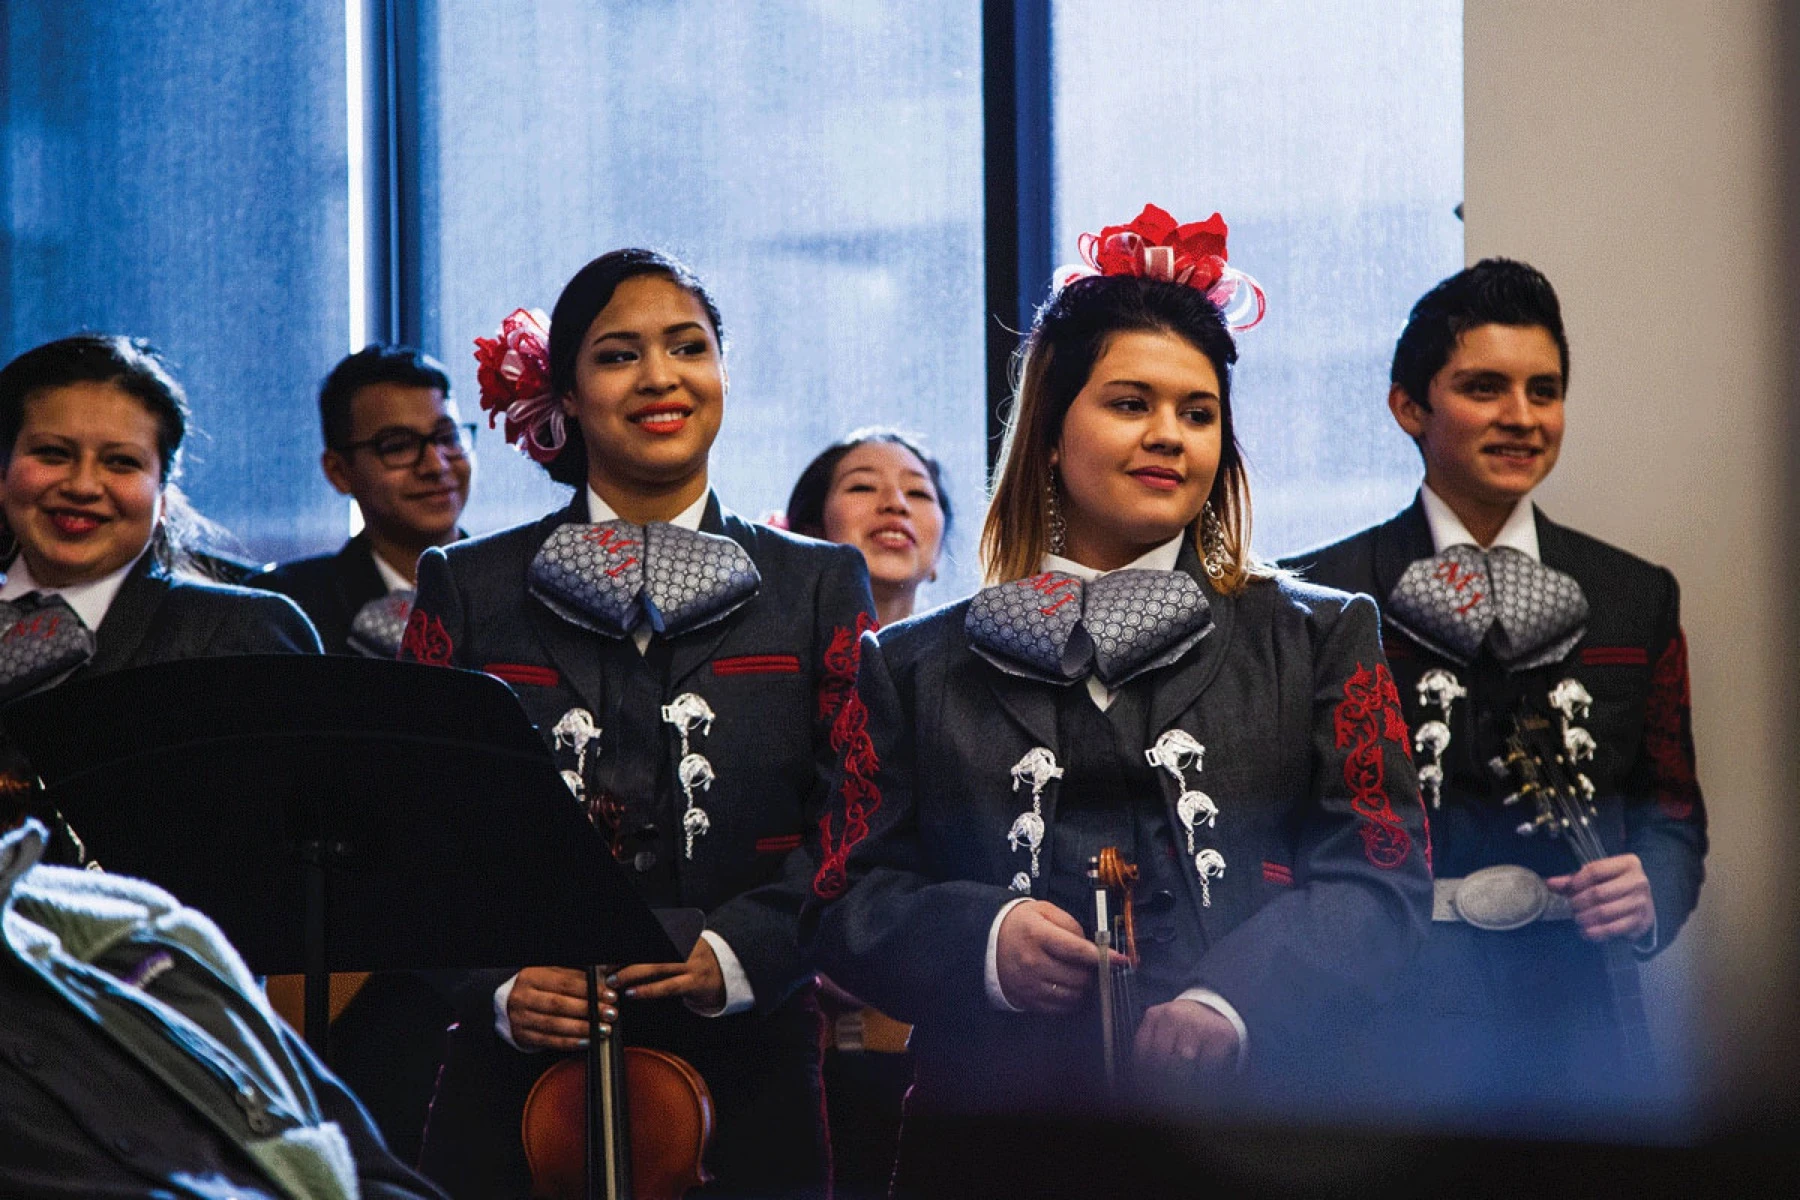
point(1155, 246)
point(513, 370)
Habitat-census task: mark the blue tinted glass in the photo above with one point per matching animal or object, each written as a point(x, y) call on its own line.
point(818, 164)
point(1330, 137)
point(179, 174)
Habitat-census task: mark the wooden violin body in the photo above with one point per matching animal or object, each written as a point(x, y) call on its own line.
point(670, 1121)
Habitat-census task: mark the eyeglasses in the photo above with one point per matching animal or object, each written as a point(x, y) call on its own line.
point(404, 449)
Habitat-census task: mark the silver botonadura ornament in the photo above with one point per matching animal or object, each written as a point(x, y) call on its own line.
point(1210, 865)
point(1035, 771)
point(689, 712)
point(1571, 700)
point(1175, 751)
point(576, 730)
point(1437, 689)
point(1196, 808)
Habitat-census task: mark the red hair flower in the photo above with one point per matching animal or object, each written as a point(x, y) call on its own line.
point(513, 371)
point(1156, 246)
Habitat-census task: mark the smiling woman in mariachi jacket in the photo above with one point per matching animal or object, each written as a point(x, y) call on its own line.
point(1131, 680)
point(684, 665)
point(91, 544)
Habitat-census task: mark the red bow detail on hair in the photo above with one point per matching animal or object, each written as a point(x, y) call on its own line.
point(513, 371)
point(1154, 245)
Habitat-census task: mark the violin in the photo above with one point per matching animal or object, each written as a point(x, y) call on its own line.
point(618, 1122)
point(1115, 928)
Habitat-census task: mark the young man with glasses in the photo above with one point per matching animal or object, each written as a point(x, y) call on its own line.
point(395, 442)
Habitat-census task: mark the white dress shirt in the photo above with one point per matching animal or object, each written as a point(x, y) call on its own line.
point(89, 600)
point(1161, 558)
point(1447, 530)
point(739, 995)
point(391, 579)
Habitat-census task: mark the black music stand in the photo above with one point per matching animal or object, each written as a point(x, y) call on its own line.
point(340, 814)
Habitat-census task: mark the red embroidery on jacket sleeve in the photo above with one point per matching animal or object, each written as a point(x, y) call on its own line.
point(840, 705)
point(425, 640)
point(1668, 732)
point(1369, 714)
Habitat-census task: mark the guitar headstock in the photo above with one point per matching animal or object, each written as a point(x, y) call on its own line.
point(1542, 759)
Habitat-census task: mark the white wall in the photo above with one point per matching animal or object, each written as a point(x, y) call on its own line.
point(1631, 152)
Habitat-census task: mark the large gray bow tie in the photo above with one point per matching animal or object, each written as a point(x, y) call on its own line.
point(1528, 614)
point(41, 640)
point(614, 576)
point(1056, 629)
point(379, 625)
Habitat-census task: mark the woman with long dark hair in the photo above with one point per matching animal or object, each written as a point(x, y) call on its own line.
point(1132, 680)
point(686, 668)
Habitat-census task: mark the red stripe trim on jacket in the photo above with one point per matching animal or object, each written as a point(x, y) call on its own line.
point(1277, 873)
point(757, 664)
point(779, 844)
point(1614, 656)
point(523, 673)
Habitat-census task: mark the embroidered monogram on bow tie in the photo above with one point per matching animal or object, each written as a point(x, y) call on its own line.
point(379, 625)
point(1528, 614)
point(41, 640)
point(1054, 628)
point(615, 576)
point(689, 712)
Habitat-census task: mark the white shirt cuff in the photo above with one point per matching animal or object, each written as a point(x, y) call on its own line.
point(739, 995)
point(991, 972)
point(502, 1026)
point(1222, 1006)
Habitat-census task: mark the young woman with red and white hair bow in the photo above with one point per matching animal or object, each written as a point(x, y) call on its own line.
point(1131, 679)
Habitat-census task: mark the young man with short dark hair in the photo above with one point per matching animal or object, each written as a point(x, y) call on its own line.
point(395, 442)
point(1501, 623)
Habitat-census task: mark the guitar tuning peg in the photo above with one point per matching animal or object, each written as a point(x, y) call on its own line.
point(1498, 768)
point(1514, 798)
point(1527, 828)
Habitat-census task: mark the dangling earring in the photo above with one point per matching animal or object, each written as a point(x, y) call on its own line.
point(1056, 527)
point(1212, 542)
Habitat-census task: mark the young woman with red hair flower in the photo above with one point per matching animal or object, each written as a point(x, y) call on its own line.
point(686, 668)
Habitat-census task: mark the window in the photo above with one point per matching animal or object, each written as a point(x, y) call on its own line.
point(180, 175)
point(818, 164)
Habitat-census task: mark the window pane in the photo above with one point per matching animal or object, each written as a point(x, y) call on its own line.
point(818, 164)
point(1330, 137)
point(179, 174)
